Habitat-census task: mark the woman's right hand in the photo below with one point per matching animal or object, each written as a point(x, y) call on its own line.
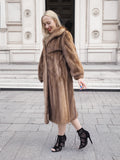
point(81, 84)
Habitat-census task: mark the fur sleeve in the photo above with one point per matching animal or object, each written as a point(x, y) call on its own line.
point(40, 68)
point(71, 57)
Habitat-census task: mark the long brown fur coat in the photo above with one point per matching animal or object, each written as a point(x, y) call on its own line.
point(59, 62)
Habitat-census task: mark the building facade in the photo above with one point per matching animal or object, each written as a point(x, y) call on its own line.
point(96, 29)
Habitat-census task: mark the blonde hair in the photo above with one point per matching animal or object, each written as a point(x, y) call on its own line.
point(54, 16)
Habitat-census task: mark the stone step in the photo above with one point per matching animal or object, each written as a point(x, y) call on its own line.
point(90, 85)
point(21, 85)
point(88, 73)
point(86, 76)
point(37, 81)
point(26, 76)
point(23, 67)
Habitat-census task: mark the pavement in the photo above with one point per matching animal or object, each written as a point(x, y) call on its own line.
point(24, 136)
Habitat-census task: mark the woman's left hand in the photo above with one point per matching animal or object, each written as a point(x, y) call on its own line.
point(81, 83)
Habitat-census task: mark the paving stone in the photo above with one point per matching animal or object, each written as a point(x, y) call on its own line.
point(102, 128)
point(104, 121)
point(89, 119)
point(115, 111)
point(16, 127)
point(113, 141)
point(114, 128)
point(4, 127)
point(116, 157)
point(36, 120)
point(84, 110)
point(12, 148)
point(105, 110)
point(31, 127)
point(22, 120)
point(101, 149)
point(94, 110)
point(5, 138)
point(87, 106)
point(4, 119)
point(116, 120)
point(108, 115)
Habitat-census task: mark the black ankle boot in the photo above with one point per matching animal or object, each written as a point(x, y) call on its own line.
point(59, 143)
point(84, 135)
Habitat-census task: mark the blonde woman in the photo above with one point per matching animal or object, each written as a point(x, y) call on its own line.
point(59, 62)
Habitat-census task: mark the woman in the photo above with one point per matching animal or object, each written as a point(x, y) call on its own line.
point(58, 64)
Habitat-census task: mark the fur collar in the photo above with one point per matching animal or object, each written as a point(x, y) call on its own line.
point(59, 31)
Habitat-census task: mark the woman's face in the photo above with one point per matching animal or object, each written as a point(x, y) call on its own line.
point(49, 24)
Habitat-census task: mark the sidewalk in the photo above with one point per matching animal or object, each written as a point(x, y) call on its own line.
point(24, 136)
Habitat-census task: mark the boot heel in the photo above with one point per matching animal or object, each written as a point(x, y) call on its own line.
point(90, 138)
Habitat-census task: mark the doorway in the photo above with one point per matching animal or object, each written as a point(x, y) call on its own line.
point(65, 11)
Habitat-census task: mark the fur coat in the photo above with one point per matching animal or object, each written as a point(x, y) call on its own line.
point(58, 63)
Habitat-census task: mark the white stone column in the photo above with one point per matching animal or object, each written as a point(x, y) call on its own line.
point(77, 23)
point(28, 22)
point(118, 52)
point(95, 21)
point(40, 8)
point(94, 27)
point(3, 28)
point(4, 52)
point(80, 29)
